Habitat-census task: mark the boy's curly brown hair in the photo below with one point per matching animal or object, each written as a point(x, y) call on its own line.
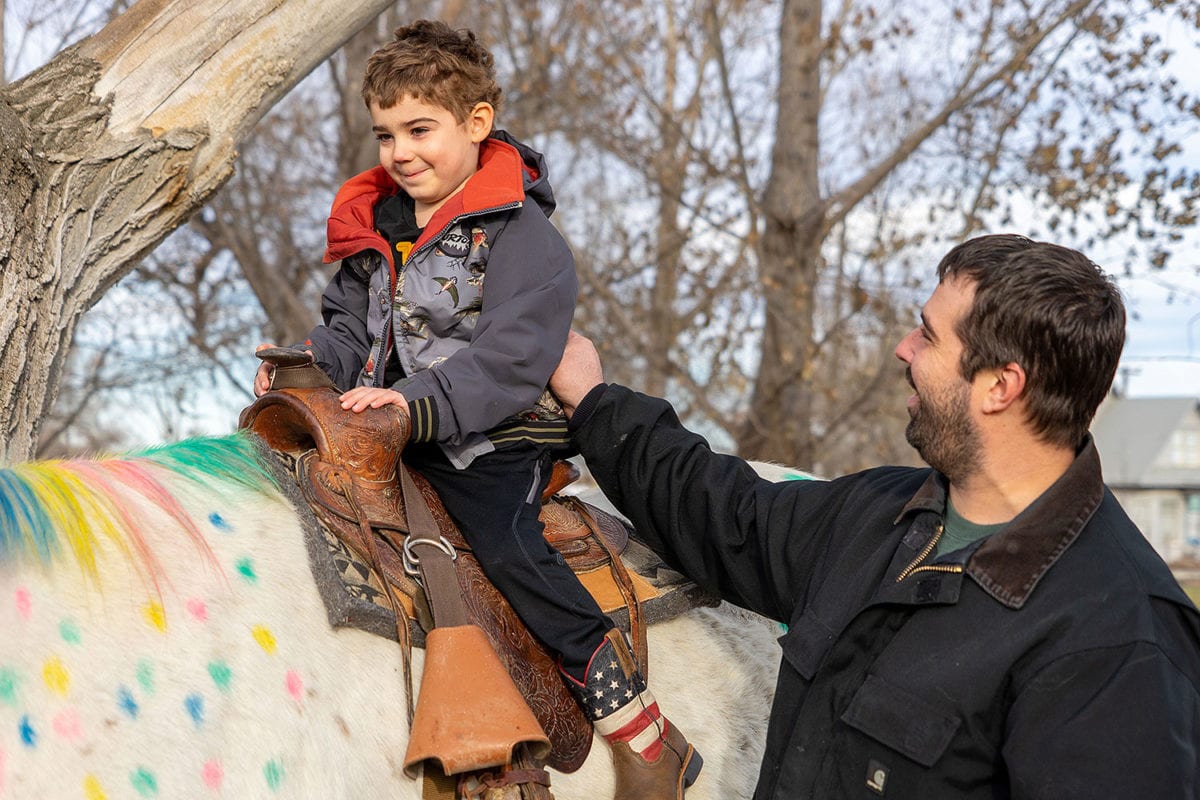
point(436, 64)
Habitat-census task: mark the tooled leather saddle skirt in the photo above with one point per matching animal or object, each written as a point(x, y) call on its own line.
point(345, 466)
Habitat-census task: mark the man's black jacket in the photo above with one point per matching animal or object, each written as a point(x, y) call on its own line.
point(1055, 659)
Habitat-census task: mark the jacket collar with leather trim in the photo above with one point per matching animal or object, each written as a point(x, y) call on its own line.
point(499, 181)
point(1009, 564)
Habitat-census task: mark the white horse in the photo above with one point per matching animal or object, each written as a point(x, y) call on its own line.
point(161, 636)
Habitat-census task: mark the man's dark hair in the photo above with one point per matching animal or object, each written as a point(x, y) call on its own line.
point(1049, 309)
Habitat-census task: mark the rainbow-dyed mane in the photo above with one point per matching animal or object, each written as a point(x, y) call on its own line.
point(59, 509)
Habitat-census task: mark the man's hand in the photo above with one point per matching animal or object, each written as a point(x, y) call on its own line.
point(262, 378)
point(361, 397)
point(578, 372)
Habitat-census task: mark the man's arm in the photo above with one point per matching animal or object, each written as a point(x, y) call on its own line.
point(709, 515)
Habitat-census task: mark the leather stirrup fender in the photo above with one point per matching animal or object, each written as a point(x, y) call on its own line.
point(470, 715)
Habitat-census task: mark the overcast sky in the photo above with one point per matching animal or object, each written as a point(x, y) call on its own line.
point(1162, 346)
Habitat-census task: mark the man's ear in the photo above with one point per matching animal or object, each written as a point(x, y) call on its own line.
point(1006, 387)
point(480, 120)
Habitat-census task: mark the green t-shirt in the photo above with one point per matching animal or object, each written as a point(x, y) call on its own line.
point(960, 532)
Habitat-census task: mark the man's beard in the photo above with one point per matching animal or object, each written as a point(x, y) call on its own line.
point(943, 434)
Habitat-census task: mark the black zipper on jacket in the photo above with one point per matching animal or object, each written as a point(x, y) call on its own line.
point(385, 338)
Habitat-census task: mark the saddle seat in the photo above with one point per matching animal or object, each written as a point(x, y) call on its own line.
point(346, 464)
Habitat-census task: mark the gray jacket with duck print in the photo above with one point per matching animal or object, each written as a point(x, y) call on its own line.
point(473, 363)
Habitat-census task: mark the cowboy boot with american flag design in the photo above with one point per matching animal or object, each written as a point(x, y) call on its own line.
point(652, 759)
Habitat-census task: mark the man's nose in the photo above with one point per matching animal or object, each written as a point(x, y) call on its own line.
point(904, 349)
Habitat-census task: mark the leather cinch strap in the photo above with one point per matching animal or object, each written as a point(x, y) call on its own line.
point(434, 560)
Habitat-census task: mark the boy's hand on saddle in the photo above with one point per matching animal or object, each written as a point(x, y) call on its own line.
point(281, 357)
point(262, 378)
point(363, 397)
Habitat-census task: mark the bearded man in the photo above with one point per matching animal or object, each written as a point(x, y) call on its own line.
point(993, 626)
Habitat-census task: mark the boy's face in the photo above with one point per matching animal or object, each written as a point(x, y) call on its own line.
point(427, 151)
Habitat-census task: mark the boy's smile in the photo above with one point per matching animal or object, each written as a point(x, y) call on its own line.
point(426, 151)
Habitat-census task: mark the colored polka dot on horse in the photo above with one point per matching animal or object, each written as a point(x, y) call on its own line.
point(92, 790)
point(273, 772)
point(144, 782)
point(27, 732)
point(219, 522)
point(56, 676)
point(9, 680)
point(221, 674)
point(295, 685)
point(67, 725)
point(197, 609)
point(145, 676)
point(69, 631)
point(24, 603)
point(265, 639)
point(126, 702)
point(155, 616)
point(194, 705)
point(212, 774)
point(245, 568)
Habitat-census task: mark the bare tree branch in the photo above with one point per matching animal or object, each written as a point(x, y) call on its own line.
point(842, 202)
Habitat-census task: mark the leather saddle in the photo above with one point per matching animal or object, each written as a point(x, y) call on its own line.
point(347, 467)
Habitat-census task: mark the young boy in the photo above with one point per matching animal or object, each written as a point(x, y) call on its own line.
point(453, 300)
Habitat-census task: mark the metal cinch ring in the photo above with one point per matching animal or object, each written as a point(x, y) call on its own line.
point(412, 560)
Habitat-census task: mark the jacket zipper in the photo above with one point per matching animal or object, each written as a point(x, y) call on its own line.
point(385, 338)
point(929, 547)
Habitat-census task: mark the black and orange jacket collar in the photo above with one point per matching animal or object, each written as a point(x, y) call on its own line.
point(500, 181)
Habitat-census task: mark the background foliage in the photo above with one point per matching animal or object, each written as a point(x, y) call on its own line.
point(756, 194)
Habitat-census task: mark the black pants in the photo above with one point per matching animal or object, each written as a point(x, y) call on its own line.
point(495, 502)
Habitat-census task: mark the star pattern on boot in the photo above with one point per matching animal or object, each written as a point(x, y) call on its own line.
point(610, 688)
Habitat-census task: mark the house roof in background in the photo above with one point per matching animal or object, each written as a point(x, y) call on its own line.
point(1132, 433)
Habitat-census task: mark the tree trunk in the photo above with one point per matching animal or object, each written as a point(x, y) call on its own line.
point(114, 144)
point(669, 240)
point(778, 425)
point(3, 51)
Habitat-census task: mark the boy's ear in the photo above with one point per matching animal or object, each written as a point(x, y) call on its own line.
point(480, 120)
